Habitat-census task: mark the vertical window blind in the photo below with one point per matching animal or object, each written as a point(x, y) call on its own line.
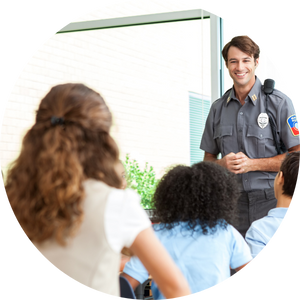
point(199, 106)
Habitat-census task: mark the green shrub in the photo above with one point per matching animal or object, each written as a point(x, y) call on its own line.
point(144, 181)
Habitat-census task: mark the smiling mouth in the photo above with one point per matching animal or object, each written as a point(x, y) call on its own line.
point(240, 75)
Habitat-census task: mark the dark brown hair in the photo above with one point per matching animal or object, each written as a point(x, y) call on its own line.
point(44, 184)
point(245, 44)
point(289, 169)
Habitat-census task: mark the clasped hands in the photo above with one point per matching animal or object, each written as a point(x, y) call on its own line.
point(236, 163)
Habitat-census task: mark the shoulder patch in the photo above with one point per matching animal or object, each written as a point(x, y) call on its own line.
point(293, 124)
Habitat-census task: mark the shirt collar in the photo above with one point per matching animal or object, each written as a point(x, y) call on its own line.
point(280, 212)
point(253, 94)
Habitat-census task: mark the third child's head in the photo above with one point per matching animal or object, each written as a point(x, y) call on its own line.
point(285, 181)
point(204, 194)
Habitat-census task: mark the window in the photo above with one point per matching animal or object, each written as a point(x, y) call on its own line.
point(199, 108)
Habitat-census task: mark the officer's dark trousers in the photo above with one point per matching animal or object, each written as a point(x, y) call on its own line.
point(252, 206)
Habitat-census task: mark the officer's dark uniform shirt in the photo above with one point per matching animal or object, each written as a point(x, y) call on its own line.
point(232, 127)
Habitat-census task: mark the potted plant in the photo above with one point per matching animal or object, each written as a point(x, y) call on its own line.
point(143, 181)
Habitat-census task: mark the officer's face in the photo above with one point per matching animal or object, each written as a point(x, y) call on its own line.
point(241, 67)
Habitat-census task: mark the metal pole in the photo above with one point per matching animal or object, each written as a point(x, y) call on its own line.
point(179, 16)
point(215, 55)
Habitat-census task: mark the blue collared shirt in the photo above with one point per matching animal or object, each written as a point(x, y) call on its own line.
point(262, 230)
point(204, 260)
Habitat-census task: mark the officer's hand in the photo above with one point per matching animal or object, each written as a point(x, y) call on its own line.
point(243, 162)
point(233, 162)
point(229, 162)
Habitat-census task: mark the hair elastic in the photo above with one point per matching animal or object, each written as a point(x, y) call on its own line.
point(57, 120)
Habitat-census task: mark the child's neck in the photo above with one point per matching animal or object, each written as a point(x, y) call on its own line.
point(283, 201)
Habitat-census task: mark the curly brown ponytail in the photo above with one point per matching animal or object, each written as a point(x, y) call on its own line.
point(68, 143)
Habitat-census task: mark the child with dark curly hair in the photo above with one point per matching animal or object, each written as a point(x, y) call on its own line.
point(195, 206)
point(262, 230)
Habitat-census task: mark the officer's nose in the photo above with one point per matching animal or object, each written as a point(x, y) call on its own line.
point(240, 66)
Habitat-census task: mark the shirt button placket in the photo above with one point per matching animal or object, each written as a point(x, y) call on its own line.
point(240, 125)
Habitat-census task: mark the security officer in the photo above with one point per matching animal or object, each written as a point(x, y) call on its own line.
point(238, 127)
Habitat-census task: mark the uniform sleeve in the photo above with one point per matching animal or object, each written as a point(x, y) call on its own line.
point(240, 250)
point(208, 143)
point(288, 130)
point(263, 232)
point(136, 270)
point(255, 241)
point(124, 218)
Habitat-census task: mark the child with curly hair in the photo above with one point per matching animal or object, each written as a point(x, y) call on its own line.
point(195, 206)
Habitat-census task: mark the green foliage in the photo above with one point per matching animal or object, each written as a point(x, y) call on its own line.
point(143, 182)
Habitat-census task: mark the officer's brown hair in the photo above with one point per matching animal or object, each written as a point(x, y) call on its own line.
point(245, 44)
point(289, 169)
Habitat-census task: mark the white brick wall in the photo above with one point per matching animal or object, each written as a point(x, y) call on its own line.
point(143, 72)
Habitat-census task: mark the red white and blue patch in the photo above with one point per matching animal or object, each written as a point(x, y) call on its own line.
point(293, 124)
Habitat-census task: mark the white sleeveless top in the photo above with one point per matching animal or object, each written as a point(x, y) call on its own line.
point(112, 219)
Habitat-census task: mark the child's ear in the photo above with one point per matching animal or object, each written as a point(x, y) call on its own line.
point(280, 177)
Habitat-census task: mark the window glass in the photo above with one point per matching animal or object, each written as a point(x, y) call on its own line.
point(143, 72)
point(199, 109)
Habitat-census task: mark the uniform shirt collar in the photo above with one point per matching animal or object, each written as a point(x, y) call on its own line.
point(252, 96)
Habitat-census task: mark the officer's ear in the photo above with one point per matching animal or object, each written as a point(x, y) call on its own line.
point(256, 62)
